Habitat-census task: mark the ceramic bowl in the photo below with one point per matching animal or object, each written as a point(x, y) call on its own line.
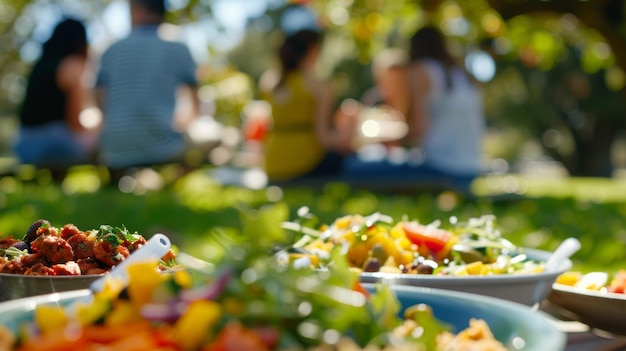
point(527, 289)
point(600, 310)
point(516, 326)
point(15, 286)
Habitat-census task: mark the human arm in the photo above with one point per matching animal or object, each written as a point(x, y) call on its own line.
point(187, 107)
point(394, 89)
point(338, 139)
point(188, 101)
point(419, 88)
point(70, 80)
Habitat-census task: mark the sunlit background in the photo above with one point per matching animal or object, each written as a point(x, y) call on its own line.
point(552, 84)
point(554, 104)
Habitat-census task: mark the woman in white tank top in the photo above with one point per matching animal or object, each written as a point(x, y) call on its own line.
point(446, 114)
point(446, 124)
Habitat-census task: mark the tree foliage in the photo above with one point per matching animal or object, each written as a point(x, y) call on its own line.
point(560, 63)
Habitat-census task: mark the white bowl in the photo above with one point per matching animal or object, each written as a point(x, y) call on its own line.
point(600, 310)
point(527, 289)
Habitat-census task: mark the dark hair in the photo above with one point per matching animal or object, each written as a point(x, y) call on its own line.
point(156, 7)
point(68, 38)
point(294, 49)
point(429, 43)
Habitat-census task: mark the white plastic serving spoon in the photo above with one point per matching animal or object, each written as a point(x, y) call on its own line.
point(155, 248)
point(567, 248)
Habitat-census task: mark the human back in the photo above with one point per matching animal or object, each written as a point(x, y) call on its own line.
point(51, 133)
point(142, 73)
point(292, 148)
point(137, 83)
point(455, 122)
point(446, 113)
point(302, 141)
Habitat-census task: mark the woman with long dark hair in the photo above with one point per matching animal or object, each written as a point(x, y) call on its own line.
point(442, 148)
point(446, 113)
point(51, 134)
point(302, 141)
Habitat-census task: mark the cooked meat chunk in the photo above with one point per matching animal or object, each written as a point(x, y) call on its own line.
point(33, 259)
point(5, 243)
point(39, 269)
point(108, 254)
point(56, 249)
point(90, 266)
point(81, 246)
point(13, 267)
point(47, 231)
point(67, 268)
point(69, 230)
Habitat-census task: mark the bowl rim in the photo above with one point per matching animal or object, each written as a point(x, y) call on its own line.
point(587, 292)
point(52, 277)
point(29, 303)
point(555, 338)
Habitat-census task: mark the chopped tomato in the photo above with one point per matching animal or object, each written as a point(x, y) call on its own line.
point(359, 288)
point(618, 284)
point(233, 337)
point(435, 239)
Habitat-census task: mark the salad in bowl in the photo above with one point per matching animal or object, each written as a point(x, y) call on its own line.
point(242, 304)
point(249, 301)
point(471, 256)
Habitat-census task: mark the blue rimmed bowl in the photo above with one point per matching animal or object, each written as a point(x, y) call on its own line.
point(515, 325)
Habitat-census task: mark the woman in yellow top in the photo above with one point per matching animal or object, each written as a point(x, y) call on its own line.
point(302, 141)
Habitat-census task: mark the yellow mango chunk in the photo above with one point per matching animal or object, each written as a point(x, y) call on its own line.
point(88, 314)
point(474, 268)
point(49, 318)
point(343, 223)
point(143, 278)
point(569, 278)
point(124, 312)
point(194, 325)
point(182, 279)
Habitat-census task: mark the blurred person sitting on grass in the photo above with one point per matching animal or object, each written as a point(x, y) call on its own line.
point(302, 141)
point(51, 134)
point(445, 122)
point(389, 71)
point(137, 88)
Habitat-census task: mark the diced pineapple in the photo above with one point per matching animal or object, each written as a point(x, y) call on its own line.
point(569, 278)
point(192, 328)
point(49, 318)
point(474, 268)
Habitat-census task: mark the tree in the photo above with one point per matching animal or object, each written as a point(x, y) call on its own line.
point(569, 56)
point(561, 63)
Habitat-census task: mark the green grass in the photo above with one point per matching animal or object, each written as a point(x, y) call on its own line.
point(193, 208)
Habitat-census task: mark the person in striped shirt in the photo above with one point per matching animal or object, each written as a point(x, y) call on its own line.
point(136, 88)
